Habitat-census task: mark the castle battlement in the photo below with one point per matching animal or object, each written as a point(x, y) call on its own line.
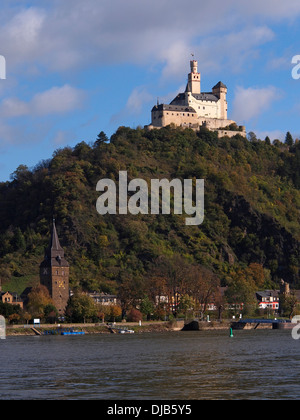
point(196, 109)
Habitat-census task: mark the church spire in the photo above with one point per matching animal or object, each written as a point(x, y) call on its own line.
point(55, 245)
point(54, 272)
point(55, 252)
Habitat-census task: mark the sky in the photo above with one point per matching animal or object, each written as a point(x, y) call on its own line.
point(74, 68)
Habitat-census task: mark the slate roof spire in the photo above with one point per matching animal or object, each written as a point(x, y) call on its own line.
point(55, 254)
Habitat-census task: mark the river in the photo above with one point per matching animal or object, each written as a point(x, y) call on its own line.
point(254, 364)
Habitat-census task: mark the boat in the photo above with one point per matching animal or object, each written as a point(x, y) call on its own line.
point(120, 330)
point(63, 331)
point(72, 333)
point(125, 331)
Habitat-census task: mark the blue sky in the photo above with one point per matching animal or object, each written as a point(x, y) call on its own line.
point(75, 68)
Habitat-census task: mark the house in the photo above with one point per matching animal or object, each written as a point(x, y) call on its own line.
point(104, 298)
point(268, 299)
point(11, 298)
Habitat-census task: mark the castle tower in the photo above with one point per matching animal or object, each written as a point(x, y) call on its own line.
point(220, 90)
point(54, 273)
point(194, 78)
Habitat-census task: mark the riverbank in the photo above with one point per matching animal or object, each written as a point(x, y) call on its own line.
point(145, 327)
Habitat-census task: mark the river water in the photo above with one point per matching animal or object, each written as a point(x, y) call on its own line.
point(260, 364)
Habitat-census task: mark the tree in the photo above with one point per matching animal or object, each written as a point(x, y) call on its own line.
point(256, 273)
point(287, 304)
point(187, 305)
point(50, 313)
point(203, 286)
point(173, 271)
point(147, 307)
point(102, 311)
point(251, 136)
point(27, 317)
point(134, 315)
point(38, 299)
point(101, 139)
point(115, 311)
point(19, 240)
point(130, 291)
point(14, 318)
point(80, 307)
point(241, 290)
point(267, 140)
point(289, 139)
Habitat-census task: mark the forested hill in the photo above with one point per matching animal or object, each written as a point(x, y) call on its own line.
point(252, 202)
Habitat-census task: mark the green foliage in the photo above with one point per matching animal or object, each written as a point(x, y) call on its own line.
point(80, 308)
point(252, 203)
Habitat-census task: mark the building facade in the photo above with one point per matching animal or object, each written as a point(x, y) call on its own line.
point(268, 299)
point(104, 298)
point(54, 273)
point(12, 298)
point(195, 109)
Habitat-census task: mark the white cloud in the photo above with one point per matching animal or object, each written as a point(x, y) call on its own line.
point(21, 36)
point(251, 102)
point(57, 100)
point(65, 35)
point(138, 97)
point(13, 107)
point(272, 134)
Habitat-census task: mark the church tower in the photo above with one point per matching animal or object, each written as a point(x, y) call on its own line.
point(194, 78)
point(54, 273)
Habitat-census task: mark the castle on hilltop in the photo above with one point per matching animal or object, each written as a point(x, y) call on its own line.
point(195, 109)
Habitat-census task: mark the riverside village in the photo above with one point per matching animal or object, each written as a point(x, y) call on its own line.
point(105, 308)
point(178, 298)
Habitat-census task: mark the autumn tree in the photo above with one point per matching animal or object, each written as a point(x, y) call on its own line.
point(173, 272)
point(134, 315)
point(203, 286)
point(102, 311)
point(38, 299)
point(130, 291)
point(115, 311)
